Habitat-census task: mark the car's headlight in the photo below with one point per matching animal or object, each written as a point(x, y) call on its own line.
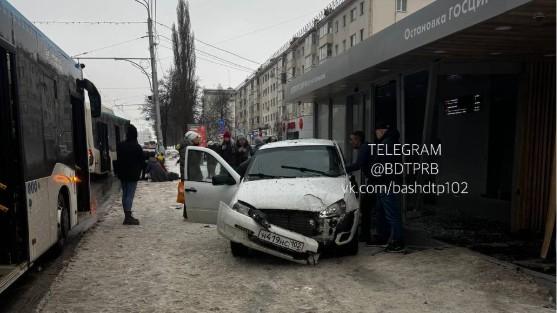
point(336, 209)
point(241, 208)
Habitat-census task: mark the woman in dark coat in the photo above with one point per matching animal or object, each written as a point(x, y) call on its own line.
point(243, 150)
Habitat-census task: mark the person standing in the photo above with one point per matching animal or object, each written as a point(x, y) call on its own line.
point(243, 150)
point(191, 138)
point(226, 150)
point(130, 163)
point(357, 140)
point(258, 143)
point(389, 216)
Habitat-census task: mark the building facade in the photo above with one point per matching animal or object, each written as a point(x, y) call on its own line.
point(477, 78)
point(343, 24)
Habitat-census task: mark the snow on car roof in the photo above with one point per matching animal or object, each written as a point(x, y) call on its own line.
point(298, 142)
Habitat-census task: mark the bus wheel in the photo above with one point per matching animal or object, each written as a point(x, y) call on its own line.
point(64, 223)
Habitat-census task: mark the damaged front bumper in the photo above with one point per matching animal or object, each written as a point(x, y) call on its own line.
point(243, 229)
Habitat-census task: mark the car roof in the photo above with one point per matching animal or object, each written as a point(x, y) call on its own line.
point(298, 143)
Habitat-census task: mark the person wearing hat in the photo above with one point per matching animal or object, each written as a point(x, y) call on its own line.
point(389, 216)
point(226, 150)
point(191, 138)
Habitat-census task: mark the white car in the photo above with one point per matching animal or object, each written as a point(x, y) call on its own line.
point(293, 202)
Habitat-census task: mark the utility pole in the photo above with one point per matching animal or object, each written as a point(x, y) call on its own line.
point(155, 81)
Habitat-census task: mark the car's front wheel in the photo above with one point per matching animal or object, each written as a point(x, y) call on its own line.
point(238, 249)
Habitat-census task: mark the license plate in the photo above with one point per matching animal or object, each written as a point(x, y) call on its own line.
point(281, 241)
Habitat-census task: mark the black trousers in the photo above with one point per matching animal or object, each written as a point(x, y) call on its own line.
point(366, 205)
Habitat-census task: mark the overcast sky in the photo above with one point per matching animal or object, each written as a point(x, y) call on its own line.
point(254, 29)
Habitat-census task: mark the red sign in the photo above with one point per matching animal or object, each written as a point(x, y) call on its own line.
point(202, 131)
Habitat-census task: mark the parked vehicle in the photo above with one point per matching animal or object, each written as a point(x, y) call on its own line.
point(293, 201)
point(104, 134)
point(44, 177)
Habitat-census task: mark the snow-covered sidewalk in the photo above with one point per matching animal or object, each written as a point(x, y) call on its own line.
point(170, 265)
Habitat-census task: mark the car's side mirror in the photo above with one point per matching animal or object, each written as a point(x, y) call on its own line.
point(219, 180)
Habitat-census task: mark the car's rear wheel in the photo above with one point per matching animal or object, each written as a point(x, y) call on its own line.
point(238, 249)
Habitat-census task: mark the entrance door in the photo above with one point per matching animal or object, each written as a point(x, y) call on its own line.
point(12, 216)
point(202, 195)
point(102, 145)
point(81, 156)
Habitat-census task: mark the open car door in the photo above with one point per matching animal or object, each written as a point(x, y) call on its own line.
point(208, 181)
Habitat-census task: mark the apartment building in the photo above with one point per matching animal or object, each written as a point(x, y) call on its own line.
point(261, 109)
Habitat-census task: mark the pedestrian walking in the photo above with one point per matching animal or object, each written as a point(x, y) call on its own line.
point(243, 150)
point(358, 142)
point(389, 216)
point(130, 163)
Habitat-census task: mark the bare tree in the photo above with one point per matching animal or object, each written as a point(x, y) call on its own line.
point(178, 90)
point(185, 88)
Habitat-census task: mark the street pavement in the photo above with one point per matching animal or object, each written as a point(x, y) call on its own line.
point(168, 264)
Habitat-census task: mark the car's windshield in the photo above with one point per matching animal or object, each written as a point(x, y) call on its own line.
point(291, 162)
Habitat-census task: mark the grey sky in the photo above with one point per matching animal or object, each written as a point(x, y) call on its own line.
point(219, 22)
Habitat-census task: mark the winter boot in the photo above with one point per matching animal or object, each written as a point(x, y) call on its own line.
point(129, 219)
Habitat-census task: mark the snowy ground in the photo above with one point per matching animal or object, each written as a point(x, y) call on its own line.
point(170, 265)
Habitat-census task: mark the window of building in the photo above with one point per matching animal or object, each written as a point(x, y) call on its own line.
point(353, 15)
point(344, 45)
point(362, 34)
point(401, 5)
point(336, 49)
point(362, 8)
point(353, 40)
point(344, 21)
point(336, 27)
point(325, 52)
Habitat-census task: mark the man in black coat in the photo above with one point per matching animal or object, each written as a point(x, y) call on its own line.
point(389, 215)
point(130, 163)
point(358, 141)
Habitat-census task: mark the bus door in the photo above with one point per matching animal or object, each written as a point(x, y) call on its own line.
point(81, 155)
point(12, 215)
point(102, 144)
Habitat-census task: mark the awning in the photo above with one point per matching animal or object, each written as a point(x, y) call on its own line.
point(467, 30)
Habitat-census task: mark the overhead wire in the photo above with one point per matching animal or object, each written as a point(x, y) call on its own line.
point(109, 46)
point(213, 46)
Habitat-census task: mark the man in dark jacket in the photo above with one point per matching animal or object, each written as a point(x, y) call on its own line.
point(130, 163)
point(357, 140)
point(226, 150)
point(389, 215)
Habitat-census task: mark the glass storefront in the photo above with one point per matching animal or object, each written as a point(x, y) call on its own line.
point(339, 125)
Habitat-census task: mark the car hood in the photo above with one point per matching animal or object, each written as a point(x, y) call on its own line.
point(305, 194)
